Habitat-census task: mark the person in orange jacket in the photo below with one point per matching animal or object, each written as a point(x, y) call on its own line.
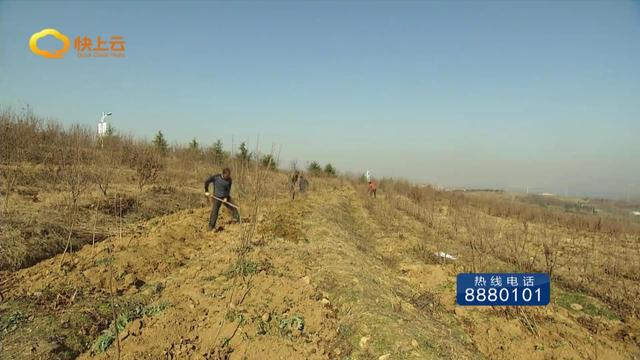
point(372, 188)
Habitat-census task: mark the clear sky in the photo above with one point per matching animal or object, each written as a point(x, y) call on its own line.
point(502, 94)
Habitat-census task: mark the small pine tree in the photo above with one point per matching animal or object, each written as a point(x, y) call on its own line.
point(269, 162)
point(314, 167)
point(218, 152)
point(193, 145)
point(217, 148)
point(161, 143)
point(329, 170)
point(244, 154)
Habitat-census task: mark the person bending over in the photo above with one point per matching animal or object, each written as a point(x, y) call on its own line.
point(373, 187)
point(221, 190)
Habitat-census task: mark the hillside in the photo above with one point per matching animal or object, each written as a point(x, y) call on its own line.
point(331, 275)
point(104, 253)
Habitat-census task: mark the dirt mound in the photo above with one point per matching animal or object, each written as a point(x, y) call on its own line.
point(179, 291)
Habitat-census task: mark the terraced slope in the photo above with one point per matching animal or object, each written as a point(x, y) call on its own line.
point(330, 275)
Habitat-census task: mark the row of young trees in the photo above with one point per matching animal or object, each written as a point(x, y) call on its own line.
point(218, 155)
point(214, 153)
point(76, 157)
point(316, 169)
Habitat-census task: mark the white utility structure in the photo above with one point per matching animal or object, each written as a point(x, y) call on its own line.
point(102, 124)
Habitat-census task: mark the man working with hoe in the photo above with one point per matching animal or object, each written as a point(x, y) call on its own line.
point(222, 194)
point(294, 183)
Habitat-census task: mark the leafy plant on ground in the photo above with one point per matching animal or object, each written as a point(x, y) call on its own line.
point(108, 335)
point(243, 267)
point(13, 321)
point(153, 310)
point(287, 326)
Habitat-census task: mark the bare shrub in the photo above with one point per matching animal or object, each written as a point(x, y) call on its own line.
point(107, 159)
point(14, 132)
point(147, 163)
point(551, 247)
point(72, 159)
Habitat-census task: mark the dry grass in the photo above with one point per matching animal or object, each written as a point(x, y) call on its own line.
point(581, 252)
point(58, 185)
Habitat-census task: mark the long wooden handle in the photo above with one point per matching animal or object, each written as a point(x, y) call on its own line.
point(226, 202)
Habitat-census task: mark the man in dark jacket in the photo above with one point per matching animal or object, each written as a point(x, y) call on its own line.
point(221, 190)
point(294, 183)
point(304, 184)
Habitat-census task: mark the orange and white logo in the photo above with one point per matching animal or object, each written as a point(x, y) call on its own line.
point(33, 43)
point(85, 46)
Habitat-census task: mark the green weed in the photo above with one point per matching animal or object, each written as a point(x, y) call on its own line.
point(565, 299)
point(103, 261)
point(288, 325)
point(103, 341)
point(108, 335)
point(243, 267)
point(13, 321)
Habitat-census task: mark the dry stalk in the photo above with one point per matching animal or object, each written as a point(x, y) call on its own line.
point(246, 234)
point(68, 243)
point(111, 249)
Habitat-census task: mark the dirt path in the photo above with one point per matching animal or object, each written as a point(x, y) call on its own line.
point(382, 311)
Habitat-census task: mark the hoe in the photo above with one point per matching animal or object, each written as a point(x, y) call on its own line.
point(230, 204)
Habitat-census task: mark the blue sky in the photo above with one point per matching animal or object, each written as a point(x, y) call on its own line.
point(460, 93)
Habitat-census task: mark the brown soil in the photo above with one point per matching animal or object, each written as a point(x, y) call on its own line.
point(330, 275)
